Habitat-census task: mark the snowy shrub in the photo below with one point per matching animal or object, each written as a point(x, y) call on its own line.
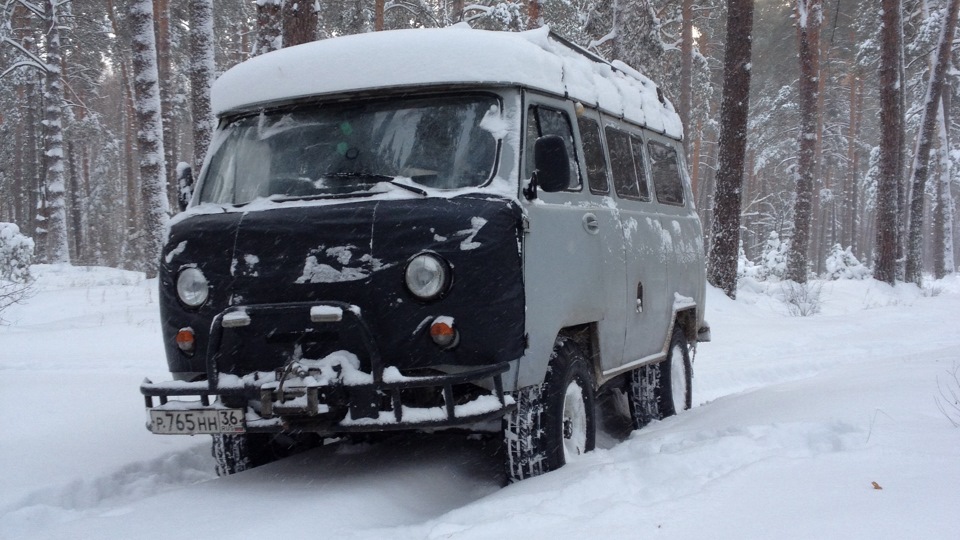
point(802, 299)
point(745, 267)
point(16, 254)
point(773, 261)
point(842, 264)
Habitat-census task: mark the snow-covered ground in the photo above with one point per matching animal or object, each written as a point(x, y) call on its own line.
point(796, 418)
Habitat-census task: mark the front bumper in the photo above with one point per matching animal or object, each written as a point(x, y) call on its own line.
point(335, 394)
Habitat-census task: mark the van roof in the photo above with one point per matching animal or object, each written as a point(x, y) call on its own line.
point(536, 59)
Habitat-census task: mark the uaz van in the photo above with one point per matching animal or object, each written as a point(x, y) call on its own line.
point(424, 229)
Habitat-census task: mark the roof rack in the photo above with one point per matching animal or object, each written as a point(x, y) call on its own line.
point(599, 59)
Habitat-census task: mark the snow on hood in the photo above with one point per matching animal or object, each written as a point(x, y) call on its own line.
point(422, 57)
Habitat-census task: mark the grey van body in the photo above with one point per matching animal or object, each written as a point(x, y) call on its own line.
point(596, 277)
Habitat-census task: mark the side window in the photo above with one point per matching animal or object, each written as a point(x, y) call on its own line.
point(627, 166)
point(546, 121)
point(593, 155)
point(665, 168)
point(637, 145)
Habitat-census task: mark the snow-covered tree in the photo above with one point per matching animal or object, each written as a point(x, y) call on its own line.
point(150, 131)
point(885, 268)
point(925, 140)
point(722, 265)
point(944, 209)
point(842, 264)
point(809, 15)
point(269, 26)
point(202, 72)
point(16, 254)
point(54, 187)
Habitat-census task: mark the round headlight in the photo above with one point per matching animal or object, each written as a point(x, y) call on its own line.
point(192, 287)
point(427, 276)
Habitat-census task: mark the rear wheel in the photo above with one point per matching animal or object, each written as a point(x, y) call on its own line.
point(554, 422)
point(676, 377)
point(660, 390)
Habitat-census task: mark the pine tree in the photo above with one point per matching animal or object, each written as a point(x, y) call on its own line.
point(928, 123)
point(722, 265)
point(202, 71)
point(54, 211)
point(887, 230)
point(269, 26)
point(149, 132)
point(943, 258)
point(809, 18)
point(299, 22)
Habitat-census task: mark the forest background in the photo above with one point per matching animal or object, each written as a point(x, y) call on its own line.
point(104, 102)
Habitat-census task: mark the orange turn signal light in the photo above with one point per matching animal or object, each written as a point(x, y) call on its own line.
point(185, 340)
point(443, 334)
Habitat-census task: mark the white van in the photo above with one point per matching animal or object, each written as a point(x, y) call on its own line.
point(422, 229)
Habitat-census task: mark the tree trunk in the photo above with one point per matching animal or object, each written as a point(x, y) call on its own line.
point(76, 203)
point(22, 152)
point(161, 16)
point(686, 73)
point(722, 270)
point(534, 14)
point(202, 71)
point(851, 193)
point(269, 27)
point(456, 14)
point(902, 154)
point(943, 222)
point(921, 159)
point(150, 132)
point(885, 267)
point(378, 15)
point(299, 22)
point(57, 247)
point(809, 17)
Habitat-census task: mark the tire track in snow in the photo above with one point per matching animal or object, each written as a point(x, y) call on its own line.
point(106, 494)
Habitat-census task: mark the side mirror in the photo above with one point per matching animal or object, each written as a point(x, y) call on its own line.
point(184, 185)
point(552, 164)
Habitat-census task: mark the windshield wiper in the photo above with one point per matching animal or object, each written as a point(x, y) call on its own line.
point(413, 189)
point(392, 180)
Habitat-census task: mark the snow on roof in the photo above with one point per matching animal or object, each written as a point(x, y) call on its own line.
point(426, 57)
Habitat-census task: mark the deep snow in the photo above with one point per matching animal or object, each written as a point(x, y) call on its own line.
point(795, 419)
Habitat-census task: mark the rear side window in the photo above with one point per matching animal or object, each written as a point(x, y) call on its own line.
point(637, 144)
point(546, 121)
point(626, 159)
point(593, 155)
point(665, 168)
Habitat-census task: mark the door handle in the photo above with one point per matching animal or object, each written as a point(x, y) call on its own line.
point(590, 223)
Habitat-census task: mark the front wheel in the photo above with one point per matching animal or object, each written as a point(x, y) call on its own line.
point(236, 453)
point(554, 422)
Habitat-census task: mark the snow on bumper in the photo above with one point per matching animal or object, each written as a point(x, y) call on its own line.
point(332, 395)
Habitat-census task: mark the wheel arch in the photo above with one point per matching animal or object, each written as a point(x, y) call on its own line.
point(686, 320)
point(585, 337)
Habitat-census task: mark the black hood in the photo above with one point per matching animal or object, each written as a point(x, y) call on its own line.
point(357, 253)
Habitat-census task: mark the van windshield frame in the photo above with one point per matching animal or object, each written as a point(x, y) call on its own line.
point(356, 148)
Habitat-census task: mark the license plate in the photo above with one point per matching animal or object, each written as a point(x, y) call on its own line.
point(196, 422)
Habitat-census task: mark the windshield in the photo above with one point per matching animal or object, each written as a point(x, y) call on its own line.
point(348, 148)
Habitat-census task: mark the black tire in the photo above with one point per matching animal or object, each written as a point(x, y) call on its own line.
point(554, 421)
point(650, 389)
point(676, 377)
point(237, 453)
